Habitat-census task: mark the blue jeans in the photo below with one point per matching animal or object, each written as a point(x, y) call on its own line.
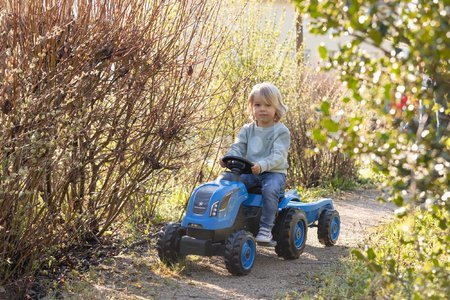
point(272, 185)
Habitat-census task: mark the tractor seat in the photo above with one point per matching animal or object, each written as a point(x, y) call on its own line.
point(257, 190)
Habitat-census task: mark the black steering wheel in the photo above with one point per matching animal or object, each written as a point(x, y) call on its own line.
point(238, 164)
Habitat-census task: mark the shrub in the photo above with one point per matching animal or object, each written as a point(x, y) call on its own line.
point(407, 89)
point(95, 98)
point(310, 165)
point(397, 256)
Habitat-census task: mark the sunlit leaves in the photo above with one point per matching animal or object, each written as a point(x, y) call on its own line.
point(404, 89)
point(330, 125)
point(395, 253)
point(318, 135)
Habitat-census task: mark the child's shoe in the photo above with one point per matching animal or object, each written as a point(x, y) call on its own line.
point(264, 235)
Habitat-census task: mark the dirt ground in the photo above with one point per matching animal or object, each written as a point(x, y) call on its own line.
point(139, 275)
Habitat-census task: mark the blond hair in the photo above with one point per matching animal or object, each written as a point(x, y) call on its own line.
point(271, 96)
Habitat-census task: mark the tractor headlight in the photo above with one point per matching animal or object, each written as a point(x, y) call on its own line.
point(215, 208)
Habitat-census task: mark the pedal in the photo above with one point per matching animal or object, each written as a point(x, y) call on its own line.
point(272, 243)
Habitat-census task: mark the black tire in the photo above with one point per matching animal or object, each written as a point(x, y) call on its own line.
point(168, 244)
point(240, 253)
point(290, 232)
point(329, 227)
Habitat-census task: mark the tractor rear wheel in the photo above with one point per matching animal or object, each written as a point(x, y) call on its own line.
point(329, 227)
point(290, 233)
point(240, 252)
point(168, 244)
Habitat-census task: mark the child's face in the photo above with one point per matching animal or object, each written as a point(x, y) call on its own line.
point(263, 113)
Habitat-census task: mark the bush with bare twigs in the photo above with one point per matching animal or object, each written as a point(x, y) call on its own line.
point(311, 165)
point(95, 98)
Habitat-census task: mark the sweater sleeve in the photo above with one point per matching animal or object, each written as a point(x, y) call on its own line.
point(239, 147)
point(279, 152)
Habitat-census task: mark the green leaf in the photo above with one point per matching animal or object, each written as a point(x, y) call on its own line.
point(358, 254)
point(325, 108)
point(353, 7)
point(323, 52)
point(371, 254)
point(374, 267)
point(443, 224)
point(387, 91)
point(398, 201)
point(376, 36)
point(330, 125)
point(352, 84)
point(318, 135)
point(391, 263)
point(312, 8)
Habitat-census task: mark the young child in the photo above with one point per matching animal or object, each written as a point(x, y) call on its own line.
point(265, 142)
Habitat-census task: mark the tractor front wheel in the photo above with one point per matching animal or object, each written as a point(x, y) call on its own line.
point(329, 227)
point(168, 244)
point(290, 232)
point(240, 252)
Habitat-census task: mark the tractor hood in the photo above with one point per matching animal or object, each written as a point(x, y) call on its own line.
point(214, 205)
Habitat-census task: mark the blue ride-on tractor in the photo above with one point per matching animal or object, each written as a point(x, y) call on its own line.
point(222, 218)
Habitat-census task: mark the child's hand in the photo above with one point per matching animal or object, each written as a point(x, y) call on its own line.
point(256, 169)
point(221, 163)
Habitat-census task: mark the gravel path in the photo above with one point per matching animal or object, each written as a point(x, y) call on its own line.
point(131, 277)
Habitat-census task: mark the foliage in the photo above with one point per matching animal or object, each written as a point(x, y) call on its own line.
point(95, 99)
point(406, 89)
point(352, 278)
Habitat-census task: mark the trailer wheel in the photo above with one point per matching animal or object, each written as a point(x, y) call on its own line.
point(168, 244)
point(290, 233)
point(240, 252)
point(329, 227)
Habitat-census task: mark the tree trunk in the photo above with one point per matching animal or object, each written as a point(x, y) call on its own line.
point(299, 30)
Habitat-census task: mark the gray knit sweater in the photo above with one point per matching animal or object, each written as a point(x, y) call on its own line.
point(267, 146)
